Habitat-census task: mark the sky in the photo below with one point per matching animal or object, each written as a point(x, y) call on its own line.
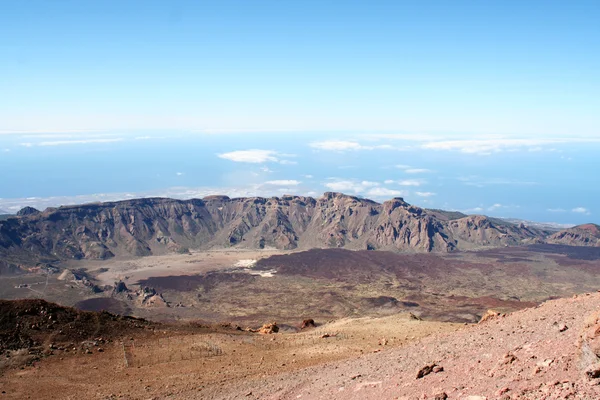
point(484, 107)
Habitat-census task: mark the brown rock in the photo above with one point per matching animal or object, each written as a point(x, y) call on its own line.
point(593, 372)
point(413, 317)
point(426, 370)
point(267, 329)
point(508, 358)
point(490, 314)
point(589, 345)
point(308, 323)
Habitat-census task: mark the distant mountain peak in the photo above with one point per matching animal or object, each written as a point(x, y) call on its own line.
point(27, 211)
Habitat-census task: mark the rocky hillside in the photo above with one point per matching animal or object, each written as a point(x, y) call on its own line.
point(547, 352)
point(153, 226)
point(30, 323)
point(580, 235)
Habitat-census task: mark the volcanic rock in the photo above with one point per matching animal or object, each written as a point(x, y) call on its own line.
point(581, 235)
point(267, 329)
point(149, 226)
point(308, 323)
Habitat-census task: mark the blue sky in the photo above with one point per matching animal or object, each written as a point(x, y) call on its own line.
point(494, 102)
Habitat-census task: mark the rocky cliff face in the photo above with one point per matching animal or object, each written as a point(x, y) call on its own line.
point(581, 235)
point(154, 226)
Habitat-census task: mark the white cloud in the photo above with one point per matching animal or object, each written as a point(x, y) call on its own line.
point(473, 210)
point(369, 183)
point(266, 169)
point(480, 182)
point(425, 194)
point(179, 173)
point(556, 210)
point(283, 182)
point(255, 156)
point(308, 176)
point(70, 142)
point(336, 145)
point(496, 144)
point(288, 162)
point(411, 170)
point(495, 207)
point(382, 192)
point(410, 182)
point(405, 182)
point(365, 188)
point(15, 204)
point(581, 210)
point(345, 145)
point(351, 186)
point(6, 150)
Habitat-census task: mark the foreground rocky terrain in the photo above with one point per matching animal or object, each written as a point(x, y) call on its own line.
point(137, 359)
point(547, 352)
point(156, 226)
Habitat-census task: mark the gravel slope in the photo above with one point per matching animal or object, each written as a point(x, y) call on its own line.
point(530, 354)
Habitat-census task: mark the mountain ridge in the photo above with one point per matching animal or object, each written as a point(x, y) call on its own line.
point(140, 227)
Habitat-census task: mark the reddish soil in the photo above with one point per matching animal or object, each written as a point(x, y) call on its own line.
point(531, 354)
point(546, 352)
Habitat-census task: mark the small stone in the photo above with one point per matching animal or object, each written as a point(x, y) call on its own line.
point(426, 370)
point(440, 396)
point(593, 372)
point(437, 368)
point(562, 327)
point(546, 363)
point(508, 358)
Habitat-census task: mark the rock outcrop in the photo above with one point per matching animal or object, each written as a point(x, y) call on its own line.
point(156, 225)
point(580, 235)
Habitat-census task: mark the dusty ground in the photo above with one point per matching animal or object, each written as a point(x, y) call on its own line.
point(530, 354)
point(346, 356)
point(42, 284)
point(197, 262)
point(178, 364)
point(537, 353)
